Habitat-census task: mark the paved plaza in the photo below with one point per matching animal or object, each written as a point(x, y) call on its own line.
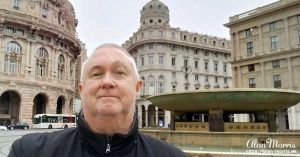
point(9, 136)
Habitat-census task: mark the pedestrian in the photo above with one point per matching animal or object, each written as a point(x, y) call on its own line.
point(107, 126)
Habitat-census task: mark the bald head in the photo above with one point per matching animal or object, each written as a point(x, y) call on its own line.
point(112, 46)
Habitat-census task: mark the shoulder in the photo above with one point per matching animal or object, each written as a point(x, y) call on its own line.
point(160, 148)
point(36, 144)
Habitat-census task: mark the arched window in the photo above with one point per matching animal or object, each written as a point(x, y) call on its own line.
point(151, 85)
point(42, 62)
point(61, 67)
point(161, 84)
point(12, 58)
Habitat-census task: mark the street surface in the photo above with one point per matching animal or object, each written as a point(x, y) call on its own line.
point(9, 136)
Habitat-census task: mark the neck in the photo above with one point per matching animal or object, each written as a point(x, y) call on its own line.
point(109, 125)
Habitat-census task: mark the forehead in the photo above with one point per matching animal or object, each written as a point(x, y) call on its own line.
point(108, 56)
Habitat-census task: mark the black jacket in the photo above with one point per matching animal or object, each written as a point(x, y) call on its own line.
point(81, 142)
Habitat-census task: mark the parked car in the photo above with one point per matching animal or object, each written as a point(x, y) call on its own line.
point(19, 125)
point(3, 127)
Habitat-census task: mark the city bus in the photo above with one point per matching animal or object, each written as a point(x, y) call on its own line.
point(51, 121)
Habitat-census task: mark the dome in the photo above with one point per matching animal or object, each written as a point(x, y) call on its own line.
point(154, 13)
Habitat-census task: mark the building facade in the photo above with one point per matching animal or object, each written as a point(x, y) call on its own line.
point(173, 60)
point(266, 52)
point(39, 53)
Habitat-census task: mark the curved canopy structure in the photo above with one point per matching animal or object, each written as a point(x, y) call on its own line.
point(233, 100)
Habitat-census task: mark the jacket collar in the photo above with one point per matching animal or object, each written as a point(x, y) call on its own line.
point(101, 144)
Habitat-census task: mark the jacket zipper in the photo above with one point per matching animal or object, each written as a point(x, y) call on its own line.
point(108, 145)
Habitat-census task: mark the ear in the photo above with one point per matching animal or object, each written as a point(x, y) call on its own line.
point(138, 86)
point(80, 87)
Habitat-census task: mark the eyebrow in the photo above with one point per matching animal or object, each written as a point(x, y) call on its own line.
point(114, 65)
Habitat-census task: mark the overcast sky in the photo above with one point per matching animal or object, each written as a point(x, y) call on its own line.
point(114, 21)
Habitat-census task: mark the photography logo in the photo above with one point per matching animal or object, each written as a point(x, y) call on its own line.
point(271, 146)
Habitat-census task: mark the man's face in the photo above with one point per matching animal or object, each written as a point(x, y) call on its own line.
point(109, 86)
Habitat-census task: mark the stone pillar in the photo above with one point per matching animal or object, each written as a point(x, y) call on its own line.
point(271, 118)
point(167, 119)
point(216, 121)
point(239, 81)
point(260, 40)
point(172, 121)
point(146, 116)
point(290, 74)
point(263, 79)
point(287, 34)
point(140, 115)
point(238, 51)
point(156, 116)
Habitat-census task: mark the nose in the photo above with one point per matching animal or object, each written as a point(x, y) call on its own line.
point(107, 81)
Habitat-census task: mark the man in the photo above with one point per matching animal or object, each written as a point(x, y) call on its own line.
point(108, 125)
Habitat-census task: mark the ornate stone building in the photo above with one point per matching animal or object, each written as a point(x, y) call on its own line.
point(266, 52)
point(39, 52)
point(170, 59)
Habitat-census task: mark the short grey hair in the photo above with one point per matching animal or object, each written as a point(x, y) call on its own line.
point(111, 45)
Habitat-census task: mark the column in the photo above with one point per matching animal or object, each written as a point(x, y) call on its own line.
point(239, 82)
point(271, 118)
point(146, 116)
point(263, 79)
point(156, 116)
point(140, 115)
point(287, 34)
point(238, 52)
point(167, 119)
point(172, 121)
point(216, 121)
point(260, 40)
point(290, 73)
point(232, 46)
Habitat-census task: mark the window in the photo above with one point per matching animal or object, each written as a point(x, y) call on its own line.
point(44, 12)
point(142, 35)
point(206, 65)
point(298, 18)
point(205, 41)
point(173, 61)
point(150, 46)
point(61, 67)
point(276, 63)
point(151, 21)
point(185, 63)
point(195, 52)
point(151, 60)
point(272, 25)
point(161, 33)
point(251, 67)
point(161, 84)
point(216, 66)
point(184, 37)
point(216, 79)
point(173, 35)
point(161, 60)
point(216, 55)
point(299, 35)
point(249, 48)
point(196, 64)
point(223, 44)
point(196, 77)
point(206, 78)
point(10, 30)
point(248, 32)
point(214, 43)
point(142, 61)
point(274, 42)
point(252, 83)
point(174, 75)
point(16, 4)
point(277, 81)
point(12, 58)
point(206, 53)
point(195, 39)
point(13, 47)
point(41, 62)
point(20, 32)
point(225, 80)
point(224, 68)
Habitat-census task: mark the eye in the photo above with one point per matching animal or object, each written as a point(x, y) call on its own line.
point(120, 73)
